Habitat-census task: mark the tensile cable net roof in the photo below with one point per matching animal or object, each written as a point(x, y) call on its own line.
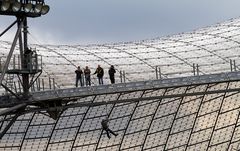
point(205, 121)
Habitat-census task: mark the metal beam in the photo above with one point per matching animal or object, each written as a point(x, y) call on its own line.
point(91, 104)
point(9, 90)
point(9, 125)
point(11, 109)
point(9, 27)
point(11, 52)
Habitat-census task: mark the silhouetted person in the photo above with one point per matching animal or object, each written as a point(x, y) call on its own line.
point(79, 76)
point(99, 71)
point(87, 74)
point(28, 58)
point(111, 73)
point(106, 128)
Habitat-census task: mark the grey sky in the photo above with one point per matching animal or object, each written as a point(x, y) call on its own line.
point(107, 21)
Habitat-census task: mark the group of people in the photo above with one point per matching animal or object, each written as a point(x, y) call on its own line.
point(87, 73)
point(100, 72)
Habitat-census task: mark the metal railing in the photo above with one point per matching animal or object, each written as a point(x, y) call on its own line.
point(136, 86)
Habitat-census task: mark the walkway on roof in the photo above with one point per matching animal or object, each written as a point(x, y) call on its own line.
point(72, 93)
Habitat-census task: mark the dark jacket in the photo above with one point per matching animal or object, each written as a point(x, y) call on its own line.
point(99, 71)
point(105, 123)
point(111, 72)
point(87, 73)
point(79, 73)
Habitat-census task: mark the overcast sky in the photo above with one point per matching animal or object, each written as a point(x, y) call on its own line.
point(108, 21)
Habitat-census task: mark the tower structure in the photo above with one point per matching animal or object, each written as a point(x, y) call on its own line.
point(26, 65)
point(22, 9)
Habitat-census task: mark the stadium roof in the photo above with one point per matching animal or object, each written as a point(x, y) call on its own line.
point(210, 48)
point(205, 121)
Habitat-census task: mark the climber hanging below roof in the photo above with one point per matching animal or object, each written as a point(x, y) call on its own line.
point(106, 128)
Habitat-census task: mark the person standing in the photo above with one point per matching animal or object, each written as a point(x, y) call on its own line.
point(79, 76)
point(99, 71)
point(87, 74)
point(111, 73)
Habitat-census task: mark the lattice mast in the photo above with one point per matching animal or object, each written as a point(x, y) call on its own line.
point(28, 59)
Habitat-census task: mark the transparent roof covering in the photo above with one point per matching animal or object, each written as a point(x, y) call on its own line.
point(210, 48)
point(197, 122)
point(205, 121)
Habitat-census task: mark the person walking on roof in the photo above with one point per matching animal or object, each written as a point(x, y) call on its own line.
point(87, 74)
point(106, 128)
point(111, 73)
point(79, 76)
point(99, 71)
